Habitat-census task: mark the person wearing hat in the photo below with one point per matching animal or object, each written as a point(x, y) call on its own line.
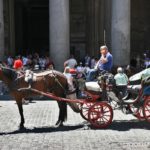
point(121, 81)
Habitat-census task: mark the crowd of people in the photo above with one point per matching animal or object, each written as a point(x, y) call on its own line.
point(88, 68)
point(34, 62)
point(91, 66)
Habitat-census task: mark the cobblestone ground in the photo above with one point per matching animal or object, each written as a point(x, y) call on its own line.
point(125, 133)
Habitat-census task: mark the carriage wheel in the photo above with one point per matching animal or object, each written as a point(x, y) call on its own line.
point(146, 109)
point(85, 109)
point(79, 105)
point(137, 112)
point(100, 115)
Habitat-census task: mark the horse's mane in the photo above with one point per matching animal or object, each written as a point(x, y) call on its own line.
point(58, 73)
point(12, 74)
point(46, 72)
point(9, 73)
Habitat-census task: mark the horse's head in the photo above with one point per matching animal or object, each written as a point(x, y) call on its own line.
point(7, 73)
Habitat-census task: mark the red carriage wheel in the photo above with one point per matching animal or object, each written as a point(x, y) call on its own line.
point(100, 115)
point(137, 112)
point(85, 109)
point(146, 109)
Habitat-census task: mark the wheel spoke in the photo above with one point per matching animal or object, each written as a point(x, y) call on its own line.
point(100, 115)
point(146, 109)
point(104, 118)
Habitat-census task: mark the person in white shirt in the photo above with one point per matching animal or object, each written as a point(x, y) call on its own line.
point(93, 62)
point(80, 71)
point(86, 68)
point(71, 62)
point(87, 59)
point(10, 61)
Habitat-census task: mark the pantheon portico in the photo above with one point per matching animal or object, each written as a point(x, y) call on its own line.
point(60, 27)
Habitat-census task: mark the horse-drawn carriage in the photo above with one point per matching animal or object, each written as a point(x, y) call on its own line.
point(94, 107)
point(137, 99)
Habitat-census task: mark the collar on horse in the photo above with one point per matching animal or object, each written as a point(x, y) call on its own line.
point(57, 81)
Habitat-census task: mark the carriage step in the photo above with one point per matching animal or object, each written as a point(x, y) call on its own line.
point(129, 101)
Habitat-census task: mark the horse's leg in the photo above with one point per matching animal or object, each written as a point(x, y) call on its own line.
point(62, 113)
point(19, 103)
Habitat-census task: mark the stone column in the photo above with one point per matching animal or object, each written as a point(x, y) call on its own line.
point(94, 26)
point(1, 31)
point(120, 32)
point(59, 32)
point(102, 23)
point(107, 22)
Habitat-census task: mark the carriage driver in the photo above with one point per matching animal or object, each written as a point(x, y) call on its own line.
point(104, 64)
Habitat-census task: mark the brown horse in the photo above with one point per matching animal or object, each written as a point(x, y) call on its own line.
point(48, 81)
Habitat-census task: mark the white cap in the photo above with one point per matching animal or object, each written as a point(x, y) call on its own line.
point(119, 70)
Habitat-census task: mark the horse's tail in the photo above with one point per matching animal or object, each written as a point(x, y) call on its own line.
point(65, 111)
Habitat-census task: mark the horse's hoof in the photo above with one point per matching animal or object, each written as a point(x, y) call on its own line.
point(21, 127)
point(59, 124)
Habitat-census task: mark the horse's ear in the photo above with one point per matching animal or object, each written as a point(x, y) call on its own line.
point(1, 65)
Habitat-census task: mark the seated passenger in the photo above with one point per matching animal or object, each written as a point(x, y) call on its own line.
point(121, 81)
point(146, 86)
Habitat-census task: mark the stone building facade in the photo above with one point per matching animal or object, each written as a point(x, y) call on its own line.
point(60, 27)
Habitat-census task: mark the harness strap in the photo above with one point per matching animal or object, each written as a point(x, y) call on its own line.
point(56, 80)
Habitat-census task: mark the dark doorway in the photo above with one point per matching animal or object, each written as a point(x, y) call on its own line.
point(32, 26)
point(140, 27)
point(78, 22)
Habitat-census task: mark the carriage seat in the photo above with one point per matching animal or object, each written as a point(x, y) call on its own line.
point(93, 86)
point(134, 88)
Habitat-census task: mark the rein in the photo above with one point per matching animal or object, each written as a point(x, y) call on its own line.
point(57, 81)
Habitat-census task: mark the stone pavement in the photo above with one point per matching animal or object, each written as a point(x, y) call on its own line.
point(125, 133)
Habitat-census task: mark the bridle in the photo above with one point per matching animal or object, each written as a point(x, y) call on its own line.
point(56, 80)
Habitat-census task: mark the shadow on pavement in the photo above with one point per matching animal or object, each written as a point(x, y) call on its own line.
point(126, 125)
point(44, 129)
point(117, 125)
